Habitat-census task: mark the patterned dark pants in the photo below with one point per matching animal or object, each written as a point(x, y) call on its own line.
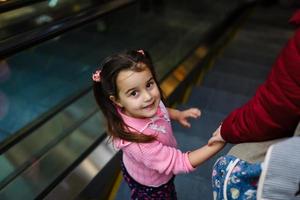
point(141, 192)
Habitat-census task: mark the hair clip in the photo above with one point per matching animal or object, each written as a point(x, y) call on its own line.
point(97, 76)
point(141, 51)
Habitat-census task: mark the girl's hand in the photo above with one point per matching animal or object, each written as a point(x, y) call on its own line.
point(183, 116)
point(216, 137)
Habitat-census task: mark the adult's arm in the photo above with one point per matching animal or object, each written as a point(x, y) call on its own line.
point(274, 111)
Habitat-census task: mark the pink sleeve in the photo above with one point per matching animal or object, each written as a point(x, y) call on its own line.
point(159, 157)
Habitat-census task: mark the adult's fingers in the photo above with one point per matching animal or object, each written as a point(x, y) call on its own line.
point(211, 141)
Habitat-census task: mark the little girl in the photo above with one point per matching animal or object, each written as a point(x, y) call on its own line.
point(130, 98)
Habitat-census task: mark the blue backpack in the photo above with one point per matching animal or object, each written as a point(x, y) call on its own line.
point(236, 179)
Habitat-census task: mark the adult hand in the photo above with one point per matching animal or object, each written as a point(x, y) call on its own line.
point(216, 137)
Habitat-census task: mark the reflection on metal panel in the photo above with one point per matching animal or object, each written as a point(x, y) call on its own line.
point(84, 173)
point(56, 161)
point(42, 139)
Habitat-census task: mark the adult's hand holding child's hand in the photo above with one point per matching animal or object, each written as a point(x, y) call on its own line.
point(216, 137)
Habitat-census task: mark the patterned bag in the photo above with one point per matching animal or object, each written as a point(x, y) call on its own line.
point(233, 178)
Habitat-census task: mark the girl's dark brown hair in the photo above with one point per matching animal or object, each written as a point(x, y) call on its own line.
point(133, 60)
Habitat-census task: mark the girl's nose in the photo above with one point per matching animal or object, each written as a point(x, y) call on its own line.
point(147, 96)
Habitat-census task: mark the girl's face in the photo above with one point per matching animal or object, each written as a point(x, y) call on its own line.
point(138, 93)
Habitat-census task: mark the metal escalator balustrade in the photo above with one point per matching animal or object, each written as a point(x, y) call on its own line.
point(51, 149)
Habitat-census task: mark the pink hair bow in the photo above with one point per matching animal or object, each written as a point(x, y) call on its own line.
point(97, 76)
point(141, 51)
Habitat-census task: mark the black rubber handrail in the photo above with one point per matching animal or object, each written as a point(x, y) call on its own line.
point(11, 5)
point(31, 38)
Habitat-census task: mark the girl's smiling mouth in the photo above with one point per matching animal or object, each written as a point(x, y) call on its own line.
point(150, 106)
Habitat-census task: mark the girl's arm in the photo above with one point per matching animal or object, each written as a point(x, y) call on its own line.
point(165, 159)
point(202, 154)
point(182, 116)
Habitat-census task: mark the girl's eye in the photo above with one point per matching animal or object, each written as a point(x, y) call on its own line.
point(133, 93)
point(149, 84)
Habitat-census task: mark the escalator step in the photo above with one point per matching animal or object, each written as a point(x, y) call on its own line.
point(231, 83)
point(198, 183)
point(216, 100)
point(191, 187)
point(201, 128)
point(249, 55)
point(259, 43)
point(265, 34)
point(241, 69)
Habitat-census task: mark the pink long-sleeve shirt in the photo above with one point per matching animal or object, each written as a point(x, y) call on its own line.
point(155, 163)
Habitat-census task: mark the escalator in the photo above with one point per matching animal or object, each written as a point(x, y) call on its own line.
point(226, 83)
point(53, 144)
point(231, 81)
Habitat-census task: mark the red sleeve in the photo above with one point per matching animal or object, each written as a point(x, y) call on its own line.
point(274, 111)
point(295, 19)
